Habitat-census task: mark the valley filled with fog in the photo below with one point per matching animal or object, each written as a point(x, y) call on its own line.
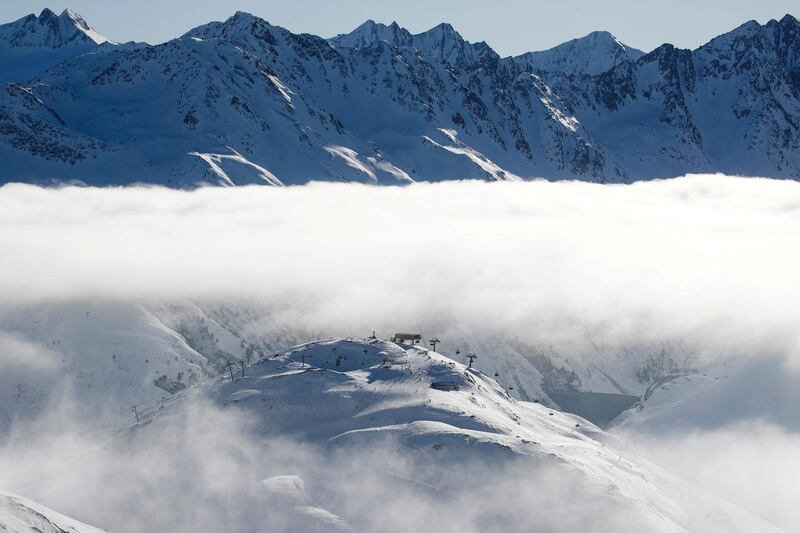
point(155, 371)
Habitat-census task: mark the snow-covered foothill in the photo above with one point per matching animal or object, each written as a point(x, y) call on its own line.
point(353, 395)
point(20, 515)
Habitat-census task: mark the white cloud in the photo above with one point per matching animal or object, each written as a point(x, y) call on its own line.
point(703, 255)
point(18, 353)
point(754, 465)
point(200, 467)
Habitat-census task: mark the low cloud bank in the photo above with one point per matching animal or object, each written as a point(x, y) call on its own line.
point(753, 465)
point(202, 468)
point(697, 256)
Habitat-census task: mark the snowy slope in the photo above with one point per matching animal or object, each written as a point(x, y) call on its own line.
point(288, 491)
point(363, 394)
point(243, 101)
point(721, 396)
point(105, 357)
point(19, 515)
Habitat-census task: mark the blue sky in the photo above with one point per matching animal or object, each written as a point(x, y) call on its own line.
point(509, 26)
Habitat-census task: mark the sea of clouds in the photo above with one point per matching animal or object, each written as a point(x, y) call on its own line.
point(712, 262)
point(698, 253)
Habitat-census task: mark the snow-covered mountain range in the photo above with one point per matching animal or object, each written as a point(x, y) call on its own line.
point(243, 101)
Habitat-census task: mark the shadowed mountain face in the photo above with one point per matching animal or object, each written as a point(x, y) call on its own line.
point(242, 101)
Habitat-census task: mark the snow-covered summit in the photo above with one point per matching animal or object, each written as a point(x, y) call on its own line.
point(49, 30)
point(237, 26)
point(775, 40)
point(593, 54)
point(33, 44)
point(442, 42)
point(371, 32)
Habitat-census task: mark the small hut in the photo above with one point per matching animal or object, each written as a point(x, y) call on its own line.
point(447, 386)
point(408, 338)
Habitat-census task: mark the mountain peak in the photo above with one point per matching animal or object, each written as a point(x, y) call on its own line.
point(753, 26)
point(80, 23)
point(591, 54)
point(243, 15)
point(788, 20)
point(749, 26)
point(240, 27)
point(440, 42)
point(241, 21)
point(780, 37)
point(444, 42)
point(443, 31)
point(605, 38)
point(601, 36)
point(371, 32)
point(49, 30)
point(244, 19)
point(444, 27)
